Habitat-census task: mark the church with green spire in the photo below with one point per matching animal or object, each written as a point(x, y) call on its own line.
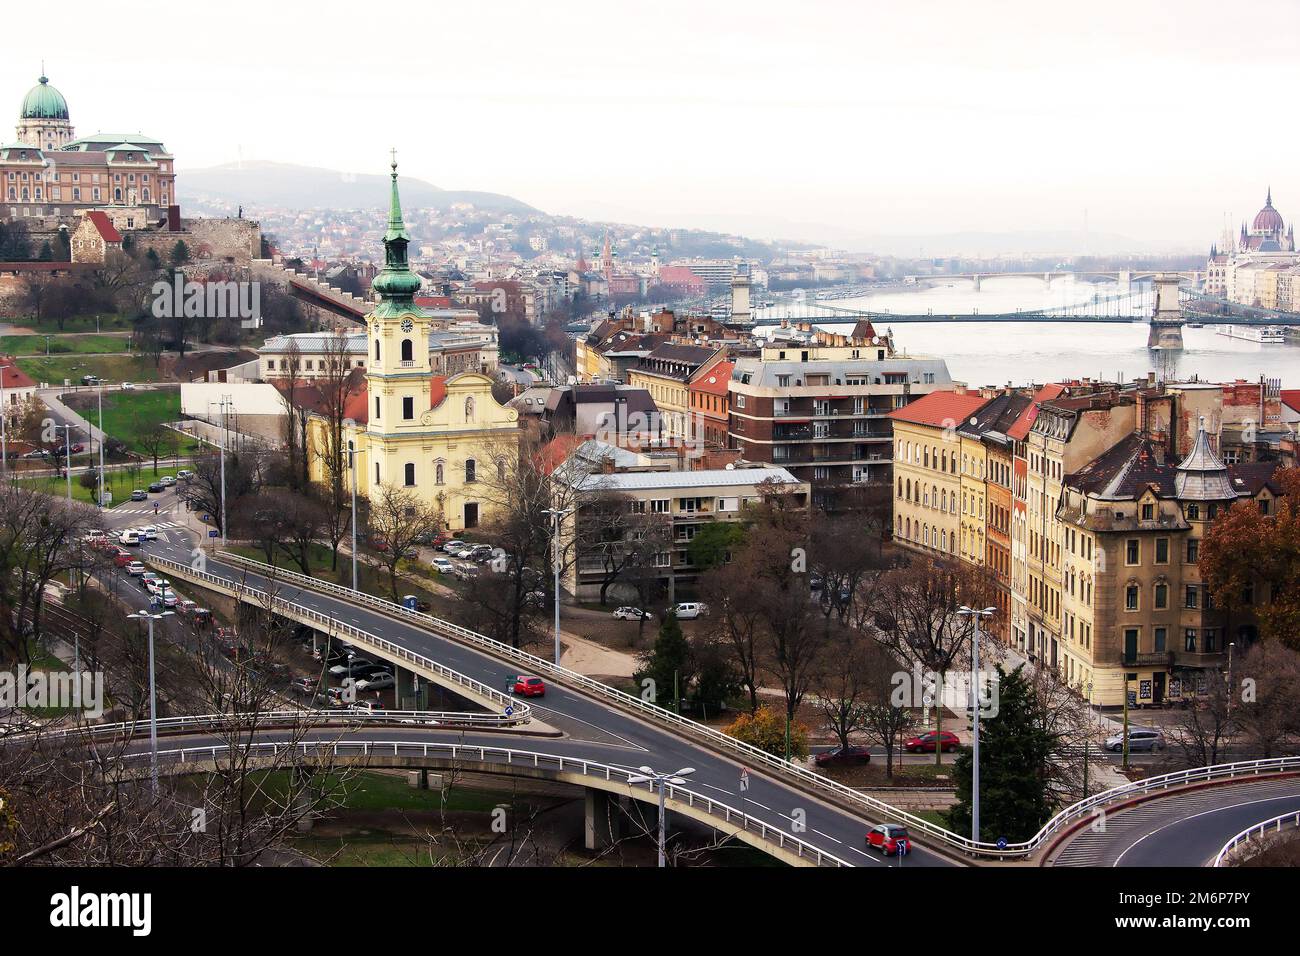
point(445, 439)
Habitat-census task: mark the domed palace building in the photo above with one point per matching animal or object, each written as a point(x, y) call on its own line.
point(1260, 266)
point(48, 172)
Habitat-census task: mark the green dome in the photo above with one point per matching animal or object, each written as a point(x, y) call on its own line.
point(44, 102)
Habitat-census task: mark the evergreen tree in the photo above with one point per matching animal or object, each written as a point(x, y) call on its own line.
point(180, 253)
point(667, 663)
point(47, 252)
point(1015, 798)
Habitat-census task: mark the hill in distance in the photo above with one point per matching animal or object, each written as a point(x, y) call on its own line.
point(259, 183)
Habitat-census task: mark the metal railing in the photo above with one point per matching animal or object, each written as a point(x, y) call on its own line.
point(520, 713)
point(279, 718)
point(809, 779)
point(514, 757)
point(1247, 834)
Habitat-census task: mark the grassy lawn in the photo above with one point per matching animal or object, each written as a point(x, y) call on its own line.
point(62, 344)
point(119, 483)
point(128, 415)
point(77, 323)
point(112, 368)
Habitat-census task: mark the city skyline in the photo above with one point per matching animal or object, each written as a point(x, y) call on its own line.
point(651, 123)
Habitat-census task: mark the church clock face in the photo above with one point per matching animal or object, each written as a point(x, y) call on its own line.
point(407, 325)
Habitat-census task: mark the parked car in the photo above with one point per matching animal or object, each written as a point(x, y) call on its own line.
point(467, 552)
point(139, 495)
point(443, 565)
point(129, 537)
point(528, 686)
point(843, 757)
point(201, 617)
point(167, 481)
point(690, 610)
point(1139, 740)
point(96, 536)
point(155, 487)
point(453, 546)
point(357, 667)
point(77, 448)
point(464, 571)
point(891, 839)
point(926, 742)
point(379, 680)
point(630, 614)
point(306, 686)
point(482, 553)
point(184, 474)
point(135, 569)
point(369, 706)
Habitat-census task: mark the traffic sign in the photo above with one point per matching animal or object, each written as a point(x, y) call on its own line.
point(207, 517)
point(1002, 843)
point(744, 780)
point(510, 710)
point(214, 533)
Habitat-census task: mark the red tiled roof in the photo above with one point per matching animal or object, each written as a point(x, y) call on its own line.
point(1291, 398)
point(714, 380)
point(107, 231)
point(941, 409)
point(13, 376)
point(433, 301)
point(437, 390)
point(1020, 430)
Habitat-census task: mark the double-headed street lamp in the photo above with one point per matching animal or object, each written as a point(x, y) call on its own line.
point(4, 438)
point(661, 780)
point(557, 515)
point(352, 466)
point(152, 616)
point(975, 616)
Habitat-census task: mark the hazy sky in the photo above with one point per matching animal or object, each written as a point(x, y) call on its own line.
point(1152, 119)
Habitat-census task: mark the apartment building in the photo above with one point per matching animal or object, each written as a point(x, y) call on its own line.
point(667, 374)
point(824, 413)
point(686, 500)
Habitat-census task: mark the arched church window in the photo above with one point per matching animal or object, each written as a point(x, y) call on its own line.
point(407, 351)
point(471, 470)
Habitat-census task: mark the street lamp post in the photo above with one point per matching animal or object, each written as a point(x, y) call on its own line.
point(660, 781)
point(153, 697)
point(352, 466)
point(975, 712)
point(101, 444)
point(557, 515)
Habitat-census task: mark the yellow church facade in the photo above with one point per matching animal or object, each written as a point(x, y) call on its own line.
point(445, 439)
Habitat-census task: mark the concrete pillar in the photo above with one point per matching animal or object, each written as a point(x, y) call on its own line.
point(411, 691)
point(304, 796)
point(601, 819)
point(1125, 280)
point(975, 282)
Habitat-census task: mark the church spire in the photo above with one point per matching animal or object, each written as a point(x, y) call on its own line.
point(396, 283)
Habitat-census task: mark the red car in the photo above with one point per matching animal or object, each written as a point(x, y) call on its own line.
point(122, 557)
point(926, 743)
point(526, 686)
point(891, 839)
point(843, 757)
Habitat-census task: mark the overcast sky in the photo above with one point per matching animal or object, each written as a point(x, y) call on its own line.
point(1153, 120)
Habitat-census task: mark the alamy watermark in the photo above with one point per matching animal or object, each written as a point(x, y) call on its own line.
point(918, 688)
point(60, 690)
point(215, 299)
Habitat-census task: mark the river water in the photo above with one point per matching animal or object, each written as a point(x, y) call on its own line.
point(995, 353)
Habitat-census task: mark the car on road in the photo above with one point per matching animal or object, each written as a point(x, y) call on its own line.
point(690, 610)
point(453, 546)
point(306, 686)
point(891, 839)
point(443, 565)
point(184, 474)
point(630, 614)
point(156, 585)
point(139, 494)
point(128, 386)
point(926, 742)
point(96, 536)
point(77, 448)
point(843, 757)
point(201, 616)
point(186, 606)
point(135, 569)
point(37, 453)
point(369, 707)
point(90, 380)
point(379, 680)
point(148, 533)
point(147, 577)
point(167, 481)
point(169, 598)
point(122, 557)
point(155, 487)
point(1140, 739)
point(526, 685)
point(129, 537)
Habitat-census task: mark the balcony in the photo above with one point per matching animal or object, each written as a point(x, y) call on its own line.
point(1149, 659)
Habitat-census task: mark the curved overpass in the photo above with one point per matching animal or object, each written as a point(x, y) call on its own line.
point(596, 731)
point(1181, 827)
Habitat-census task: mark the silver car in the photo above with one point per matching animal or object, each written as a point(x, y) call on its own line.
point(1139, 740)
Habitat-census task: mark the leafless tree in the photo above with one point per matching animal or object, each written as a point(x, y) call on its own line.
point(399, 519)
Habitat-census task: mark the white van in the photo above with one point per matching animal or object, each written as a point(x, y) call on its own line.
point(690, 610)
point(129, 536)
